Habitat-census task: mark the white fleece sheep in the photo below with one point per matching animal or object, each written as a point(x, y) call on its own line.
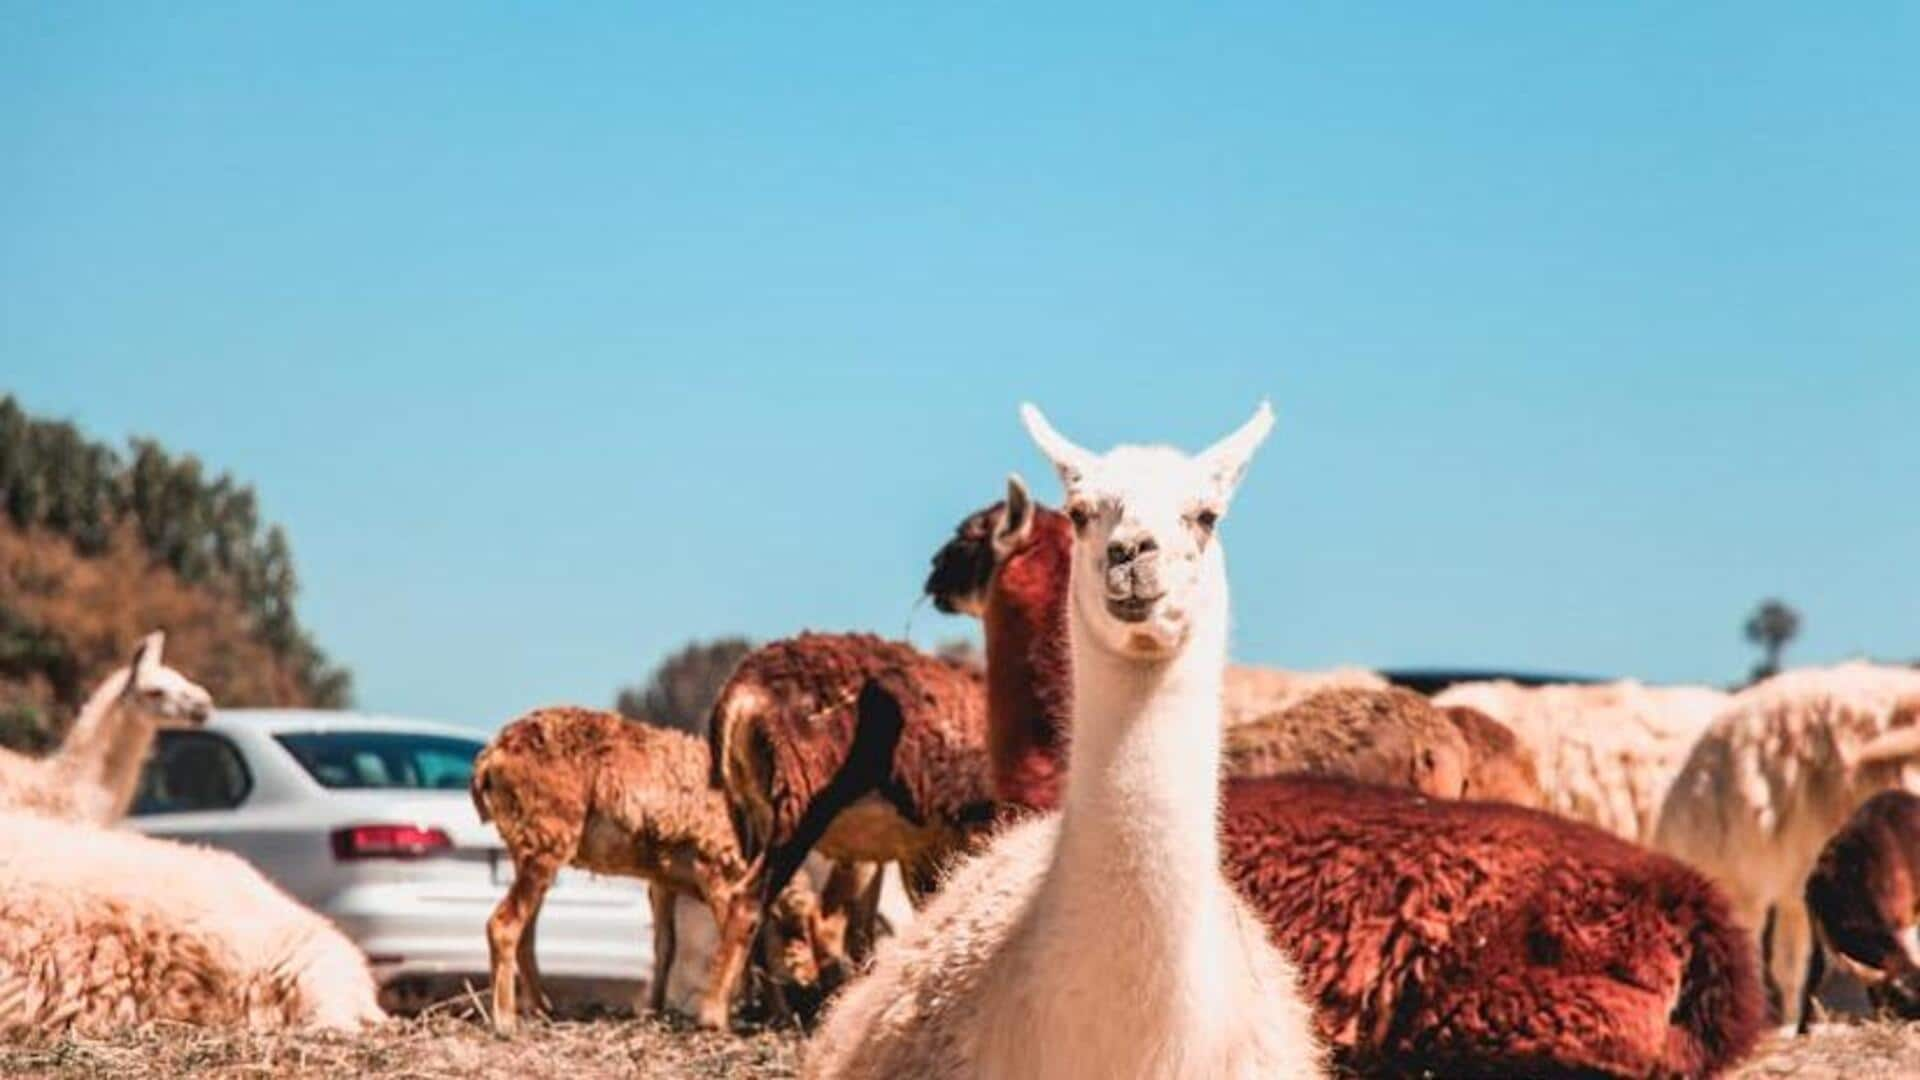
point(103, 929)
point(1773, 777)
point(1605, 752)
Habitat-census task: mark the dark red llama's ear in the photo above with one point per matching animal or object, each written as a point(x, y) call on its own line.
point(1016, 521)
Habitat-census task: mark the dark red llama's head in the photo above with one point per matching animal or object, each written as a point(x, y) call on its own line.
point(1008, 565)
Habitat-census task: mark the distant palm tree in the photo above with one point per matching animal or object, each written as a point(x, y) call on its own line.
point(1771, 626)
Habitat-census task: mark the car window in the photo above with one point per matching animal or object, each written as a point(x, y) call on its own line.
point(383, 759)
point(189, 771)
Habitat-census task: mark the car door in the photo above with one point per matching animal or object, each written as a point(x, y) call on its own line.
point(199, 787)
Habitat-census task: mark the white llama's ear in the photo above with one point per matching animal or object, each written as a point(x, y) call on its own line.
point(1016, 521)
point(1226, 461)
point(1072, 462)
point(147, 656)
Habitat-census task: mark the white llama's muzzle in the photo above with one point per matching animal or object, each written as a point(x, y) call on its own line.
point(1134, 588)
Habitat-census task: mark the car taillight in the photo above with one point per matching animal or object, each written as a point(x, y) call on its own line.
point(389, 842)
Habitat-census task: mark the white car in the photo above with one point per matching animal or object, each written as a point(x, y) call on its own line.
point(367, 820)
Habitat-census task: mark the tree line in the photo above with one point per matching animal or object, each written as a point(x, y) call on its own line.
point(97, 540)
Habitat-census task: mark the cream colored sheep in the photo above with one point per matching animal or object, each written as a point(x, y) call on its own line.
point(1606, 752)
point(1779, 772)
point(102, 929)
point(92, 776)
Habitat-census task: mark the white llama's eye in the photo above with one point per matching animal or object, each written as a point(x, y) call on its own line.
point(1205, 520)
point(1079, 515)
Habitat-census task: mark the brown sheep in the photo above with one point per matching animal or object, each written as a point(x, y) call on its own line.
point(581, 787)
point(1863, 899)
point(1393, 737)
point(807, 762)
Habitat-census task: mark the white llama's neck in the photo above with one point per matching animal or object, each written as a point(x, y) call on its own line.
point(107, 744)
point(1139, 826)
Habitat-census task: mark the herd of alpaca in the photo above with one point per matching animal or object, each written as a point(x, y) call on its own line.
point(1393, 923)
point(1129, 857)
point(119, 929)
point(1104, 940)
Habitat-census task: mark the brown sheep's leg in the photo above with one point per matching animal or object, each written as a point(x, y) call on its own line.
point(666, 938)
point(536, 995)
point(531, 878)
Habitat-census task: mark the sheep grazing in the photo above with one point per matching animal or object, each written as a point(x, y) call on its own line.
point(1104, 941)
point(102, 930)
point(93, 775)
point(1605, 752)
point(1363, 964)
point(1773, 778)
point(581, 787)
point(1863, 899)
point(807, 763)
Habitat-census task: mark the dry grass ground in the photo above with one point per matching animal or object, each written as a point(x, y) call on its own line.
point(445, 1046)
point(427, 1047)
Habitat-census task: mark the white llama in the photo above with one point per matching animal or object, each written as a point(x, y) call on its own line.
point(1103, 941)
point(92, 776)
point(106, 929)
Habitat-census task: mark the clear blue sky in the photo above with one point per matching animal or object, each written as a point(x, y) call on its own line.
point(559, 335)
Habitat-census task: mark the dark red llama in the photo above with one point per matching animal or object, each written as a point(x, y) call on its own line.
point(1005, 564)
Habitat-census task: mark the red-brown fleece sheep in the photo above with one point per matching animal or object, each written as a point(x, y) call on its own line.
point(1475, 939)
point(1472, 938)
point(1863, 898)
point(811, 754)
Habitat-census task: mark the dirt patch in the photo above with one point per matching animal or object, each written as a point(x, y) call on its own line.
point(462, 1049)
